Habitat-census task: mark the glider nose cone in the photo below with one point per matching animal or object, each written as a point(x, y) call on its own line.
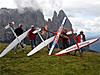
point(7, 27)
point(57, 55)
point(28, 54)
point(1, 56)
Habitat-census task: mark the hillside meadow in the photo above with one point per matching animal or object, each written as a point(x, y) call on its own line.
point(42, 64)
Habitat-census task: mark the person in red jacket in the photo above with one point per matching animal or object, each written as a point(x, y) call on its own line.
point(65, 39)
point(81, 38)
point(32, 37)
point(78, 39)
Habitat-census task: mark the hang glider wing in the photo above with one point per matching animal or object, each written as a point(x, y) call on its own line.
point(40, 46)
point(57, 36)
point(74, 47)
point(14, 43)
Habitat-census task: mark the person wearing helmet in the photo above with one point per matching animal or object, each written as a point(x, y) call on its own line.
point(32, 37)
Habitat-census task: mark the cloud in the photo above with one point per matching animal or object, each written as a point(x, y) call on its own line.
point(76, 8)
point(81, 7)
point(87, 25)
point(49, 6)
point(7, 3)
point(71, 7)
point(84, 15)
point(33, 4)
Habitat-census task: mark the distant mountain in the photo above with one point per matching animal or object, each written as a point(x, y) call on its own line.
point(95, 46)
point(57, 19)
point(27, 18)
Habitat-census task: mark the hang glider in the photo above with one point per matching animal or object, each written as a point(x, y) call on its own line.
point(46, 42)
point(12, 29)
point(57, 36)
point(15, 42)
point(37, 30)
point(40, 46)
point(74, 47)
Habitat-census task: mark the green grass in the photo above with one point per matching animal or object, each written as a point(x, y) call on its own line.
point(42, 64)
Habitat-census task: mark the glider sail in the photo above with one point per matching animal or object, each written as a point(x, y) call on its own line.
point(14, 43)
point(57, 36)
point(74, 47)
point(40, 46)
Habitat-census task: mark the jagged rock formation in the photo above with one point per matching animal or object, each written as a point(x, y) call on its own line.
point(27, 18)
point(57, 19)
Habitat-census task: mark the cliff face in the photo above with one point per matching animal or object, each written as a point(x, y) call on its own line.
point(27, 18)
point(57, 20)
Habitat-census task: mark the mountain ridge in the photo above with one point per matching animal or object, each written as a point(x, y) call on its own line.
point(27, 18)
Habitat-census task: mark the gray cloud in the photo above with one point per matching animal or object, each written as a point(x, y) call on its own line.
point(88, 10)
point(85, 14)
point(87, 25)
point(33, 4)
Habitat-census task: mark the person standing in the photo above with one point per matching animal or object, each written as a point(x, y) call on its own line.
point(81, 38)
point(32, 37)
point(65, 39)
point(18, 32)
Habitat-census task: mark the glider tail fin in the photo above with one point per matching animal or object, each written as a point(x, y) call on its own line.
point(7, 26)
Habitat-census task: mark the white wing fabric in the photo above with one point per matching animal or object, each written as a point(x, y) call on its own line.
point(40, 46)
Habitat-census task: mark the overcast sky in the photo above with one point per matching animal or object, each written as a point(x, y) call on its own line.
point(83, 14)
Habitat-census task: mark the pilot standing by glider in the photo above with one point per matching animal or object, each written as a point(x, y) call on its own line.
point(32, 37)
point(18, 32)
point(65, 39)
point(81, 38)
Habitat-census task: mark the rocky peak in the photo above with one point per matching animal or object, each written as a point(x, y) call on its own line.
point(57, 20)
point(27, 18)
point(61, 14)
point(54, 18)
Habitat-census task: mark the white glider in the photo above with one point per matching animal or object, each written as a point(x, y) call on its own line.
point(16, 41)
point(46, 42)
point(57, 36)
point(40, 46)
point(74, 47)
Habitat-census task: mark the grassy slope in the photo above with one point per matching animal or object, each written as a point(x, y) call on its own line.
point(42, 64)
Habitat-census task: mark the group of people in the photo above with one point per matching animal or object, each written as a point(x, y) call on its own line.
point(77, 39)
point(19, 30)
point(64, 36)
